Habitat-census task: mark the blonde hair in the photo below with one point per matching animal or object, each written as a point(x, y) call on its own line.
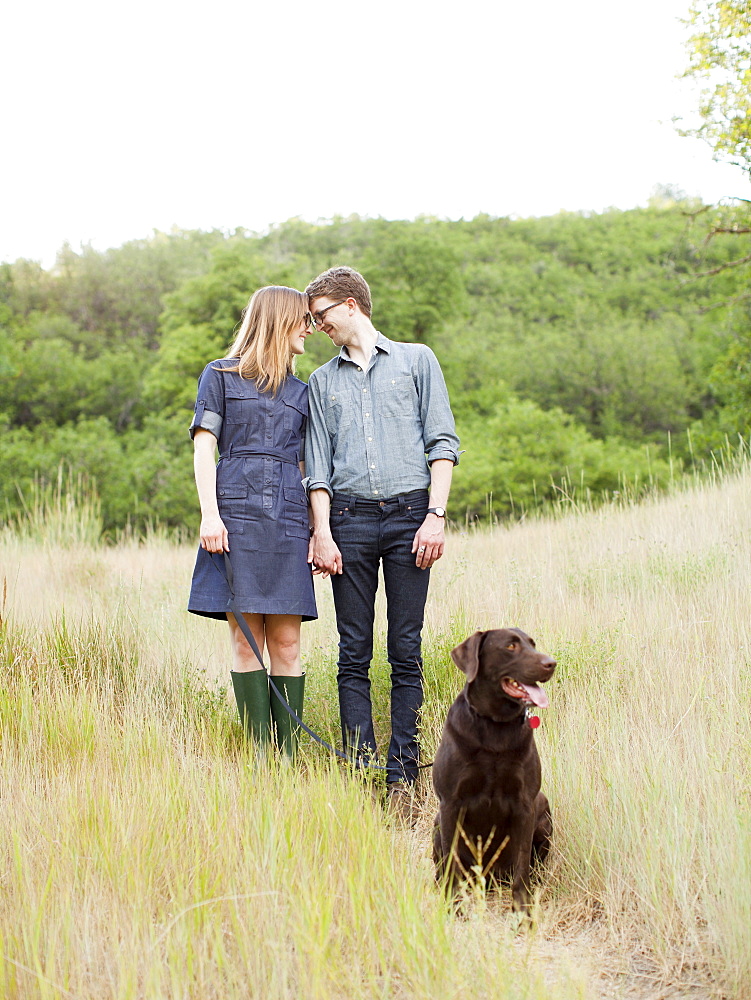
point(262, 344)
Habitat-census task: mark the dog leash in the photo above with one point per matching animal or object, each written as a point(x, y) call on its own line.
point(225, 569)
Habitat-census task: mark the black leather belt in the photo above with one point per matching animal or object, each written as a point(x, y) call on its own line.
point(369, 504)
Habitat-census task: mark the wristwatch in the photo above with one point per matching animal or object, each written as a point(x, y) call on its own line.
point(438, 511)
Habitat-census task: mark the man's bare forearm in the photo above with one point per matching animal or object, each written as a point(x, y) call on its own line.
point(441, 472)
point(323, 552)
point(320, 505)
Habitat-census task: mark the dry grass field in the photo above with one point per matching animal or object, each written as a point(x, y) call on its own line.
point(144, 852)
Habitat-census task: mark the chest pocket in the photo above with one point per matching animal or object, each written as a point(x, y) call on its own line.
point(397, 397)
point(338, 411)
point(241, 402)
point(294, 416)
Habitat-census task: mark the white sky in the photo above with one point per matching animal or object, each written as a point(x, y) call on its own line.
point(123, 118)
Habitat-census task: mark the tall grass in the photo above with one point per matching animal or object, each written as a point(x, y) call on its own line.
point(145, 852)
point(63, 514)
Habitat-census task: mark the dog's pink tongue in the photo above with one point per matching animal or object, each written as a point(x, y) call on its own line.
point(536, 695)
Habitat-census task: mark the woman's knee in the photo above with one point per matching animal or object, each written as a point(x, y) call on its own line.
point(242, 652)
point(284, 647)
point(283, 641)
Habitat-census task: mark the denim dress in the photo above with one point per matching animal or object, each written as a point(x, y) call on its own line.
point(260, 494)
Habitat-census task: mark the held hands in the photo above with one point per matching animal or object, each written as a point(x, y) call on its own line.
point(429, 541)
point(214, 537)
point(324, 556)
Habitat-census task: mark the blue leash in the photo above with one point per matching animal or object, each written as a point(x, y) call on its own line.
point(225, 569)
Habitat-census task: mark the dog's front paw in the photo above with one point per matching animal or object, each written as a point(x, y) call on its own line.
point(521, 921)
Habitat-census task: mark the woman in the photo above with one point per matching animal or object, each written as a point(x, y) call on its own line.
point(253, 505)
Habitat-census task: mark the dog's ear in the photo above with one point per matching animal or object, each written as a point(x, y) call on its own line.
point(467, 655)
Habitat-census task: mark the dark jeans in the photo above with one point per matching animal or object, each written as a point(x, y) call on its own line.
point(369, 532)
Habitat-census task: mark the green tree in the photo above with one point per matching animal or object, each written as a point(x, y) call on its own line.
point(415, 276)
point(720, 54)
point(517, 455)
point(720, 58)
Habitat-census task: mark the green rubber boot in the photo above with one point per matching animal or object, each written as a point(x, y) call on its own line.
point(286, 730)
point(252, 696)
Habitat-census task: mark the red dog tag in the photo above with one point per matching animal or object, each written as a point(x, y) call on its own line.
point(534, 721)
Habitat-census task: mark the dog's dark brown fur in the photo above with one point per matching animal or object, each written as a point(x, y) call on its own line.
point(487, 770)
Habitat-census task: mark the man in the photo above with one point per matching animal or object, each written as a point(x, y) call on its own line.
point(380, 452)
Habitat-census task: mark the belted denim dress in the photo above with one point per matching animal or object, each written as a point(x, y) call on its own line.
point(261, 498)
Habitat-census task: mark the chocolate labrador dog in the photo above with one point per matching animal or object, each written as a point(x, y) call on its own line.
point(492, 815)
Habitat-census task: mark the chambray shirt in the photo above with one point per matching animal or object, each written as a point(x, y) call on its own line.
point(373, 433)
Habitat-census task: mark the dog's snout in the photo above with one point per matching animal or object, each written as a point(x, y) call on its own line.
point(549, 664)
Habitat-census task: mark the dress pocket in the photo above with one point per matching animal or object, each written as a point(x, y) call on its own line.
point(294, 416)
point(241, 400)
point(232, 500)
point(296, 512)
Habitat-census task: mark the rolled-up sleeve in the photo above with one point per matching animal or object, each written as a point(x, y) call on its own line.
point(319, 454)
point(439, 430)
point(209, 409)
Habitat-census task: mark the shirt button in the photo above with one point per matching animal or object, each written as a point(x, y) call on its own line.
point(372, 467)
point(370, 439)
point(375, 491)
point(367, 414)
point(268, 482)
point(365, 390)
point(359, 368)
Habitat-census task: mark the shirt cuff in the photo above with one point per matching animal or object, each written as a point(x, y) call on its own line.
point(452, 456)
point(207, 420)
point(318, 484)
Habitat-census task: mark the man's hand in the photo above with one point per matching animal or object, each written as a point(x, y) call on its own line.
point(429, 541)
point(324, 555)
point(214, 537)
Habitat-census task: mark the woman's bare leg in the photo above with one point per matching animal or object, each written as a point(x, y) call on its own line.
point(243, 657)
point(283, 641)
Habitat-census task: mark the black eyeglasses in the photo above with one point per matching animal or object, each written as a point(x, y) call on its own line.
point(318, 316)
point(308, 320)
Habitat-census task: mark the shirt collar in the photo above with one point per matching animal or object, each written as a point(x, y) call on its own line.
point(381, 344)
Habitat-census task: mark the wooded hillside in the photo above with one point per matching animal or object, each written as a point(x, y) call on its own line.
point(577, 348)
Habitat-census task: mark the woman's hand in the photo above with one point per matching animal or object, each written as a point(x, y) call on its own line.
point(214, 537)
point(324, 555)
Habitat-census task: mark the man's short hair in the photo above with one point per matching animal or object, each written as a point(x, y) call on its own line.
point(342, 283)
